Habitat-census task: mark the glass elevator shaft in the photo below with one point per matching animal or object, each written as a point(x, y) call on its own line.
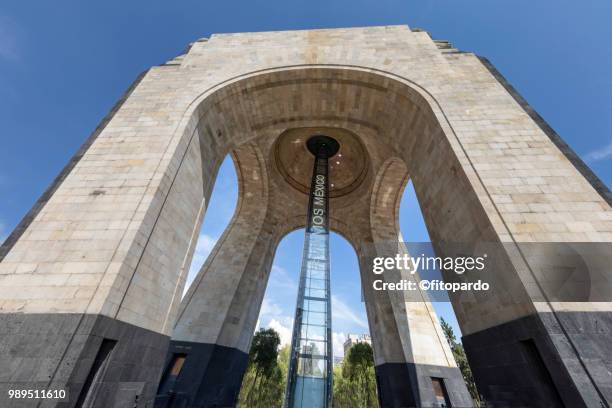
point(309, 383)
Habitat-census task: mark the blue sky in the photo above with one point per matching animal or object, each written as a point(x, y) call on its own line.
point(63, 64)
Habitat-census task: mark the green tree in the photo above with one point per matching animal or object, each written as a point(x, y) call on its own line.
point(263, 384)
point(355, 380)
point(283, 359)
point(461, 359)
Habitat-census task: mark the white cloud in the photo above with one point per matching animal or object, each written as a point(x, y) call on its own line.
point(599, 154)
point(281, 280)
point(203, 248)
point(273, 316)
point(281, 288)
point(270, 309)
point(284, 326)
point(341, 311)
point(283, 329)
point(205, 245)
point(10, 33)
point(338, 340)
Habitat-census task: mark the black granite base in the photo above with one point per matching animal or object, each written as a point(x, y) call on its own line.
point(58, 352)
point(402, 385)
point(211, 376)
point(531, 362)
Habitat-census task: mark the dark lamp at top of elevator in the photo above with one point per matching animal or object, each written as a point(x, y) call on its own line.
point(323, 146)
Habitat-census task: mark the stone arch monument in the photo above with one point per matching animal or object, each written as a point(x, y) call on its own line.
point(91, 280)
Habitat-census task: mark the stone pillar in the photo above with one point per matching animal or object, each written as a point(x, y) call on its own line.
point(409, 346)
point(88, 281)
point(511, 189)
point(219, 313)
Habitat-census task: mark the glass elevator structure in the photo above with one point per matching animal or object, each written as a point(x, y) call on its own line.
point(309, 382)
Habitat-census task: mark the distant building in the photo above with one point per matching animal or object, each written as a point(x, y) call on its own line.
point(353, 339)
point(338, 360)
